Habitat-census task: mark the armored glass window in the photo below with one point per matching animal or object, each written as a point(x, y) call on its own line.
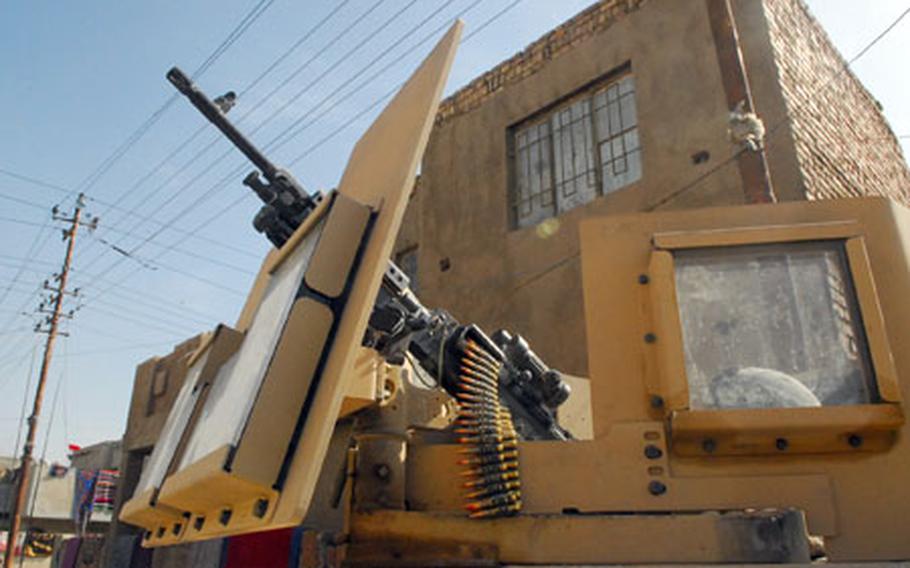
point(582, 149)
point(772, 326)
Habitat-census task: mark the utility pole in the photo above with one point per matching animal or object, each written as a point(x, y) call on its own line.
point(53, 321)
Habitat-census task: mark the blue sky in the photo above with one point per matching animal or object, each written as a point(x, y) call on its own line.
point(79, 78)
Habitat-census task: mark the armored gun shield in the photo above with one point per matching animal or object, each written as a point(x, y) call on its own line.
point(245, 441)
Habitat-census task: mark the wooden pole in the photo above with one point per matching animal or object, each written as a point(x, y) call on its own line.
point(753, 167)
point(25, 464)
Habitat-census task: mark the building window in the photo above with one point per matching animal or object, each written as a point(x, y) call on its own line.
point(582, 149)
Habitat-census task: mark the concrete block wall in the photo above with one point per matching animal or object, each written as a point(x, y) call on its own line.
point(844, 146)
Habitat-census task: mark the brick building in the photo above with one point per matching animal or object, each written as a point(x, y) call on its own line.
point(626, 107)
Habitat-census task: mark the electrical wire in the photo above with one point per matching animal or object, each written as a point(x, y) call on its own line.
point(24, 409)
point(296, 45)
point(729, 160)
point(131, 140)
point(134, 138)
point(187, 209)
point(230, 151)
point(119, 209)
point(42, 463)
point(160, 306)
point(276, 141)
point(219, 139)
point(234, 173)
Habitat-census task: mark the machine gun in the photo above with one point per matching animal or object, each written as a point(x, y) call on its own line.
point(400, 322)
point(526, 385)
point(286, 202)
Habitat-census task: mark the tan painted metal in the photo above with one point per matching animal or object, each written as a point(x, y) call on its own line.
point(855, 496)
point(330, 266)
point(270, 428)
point(651, 483)
point(268, 479)
point(389, 538)
point(380, 174)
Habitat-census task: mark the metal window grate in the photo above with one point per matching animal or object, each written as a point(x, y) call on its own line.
point(585, 148)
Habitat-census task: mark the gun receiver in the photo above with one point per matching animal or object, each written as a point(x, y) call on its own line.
point(530, 389)
point(286, 202)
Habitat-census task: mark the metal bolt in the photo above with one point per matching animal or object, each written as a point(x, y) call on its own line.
point(643, 279)
point(657, 488)
point(652, 452)
point(650, 337)
point(709, 445)
point(260, 508)
point(657, 401)
point(855, 440)
point(382, 471)
point(781, 444)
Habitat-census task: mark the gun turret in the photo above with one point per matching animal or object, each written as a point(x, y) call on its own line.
point(286, 202)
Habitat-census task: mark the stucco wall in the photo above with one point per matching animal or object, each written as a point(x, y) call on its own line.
point(152, 399)
point(527, 280)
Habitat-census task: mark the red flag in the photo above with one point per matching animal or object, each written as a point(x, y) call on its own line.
point(74, 447)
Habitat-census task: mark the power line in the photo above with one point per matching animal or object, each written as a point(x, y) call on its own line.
point(688, 186)
point(121, 348)
point(394, 90)
point(137, 135)
point(235, 172)
point(202, 198)
point(172, 330)
point(159, 264)
point(147, 299)
point(134, 138)
point(120, 308)
point(28, 388)
point(217, 138)
point(248, 20)
point(235, 34)
point(229, 151)
point(842, 70)
point(160, 314)
point(117, 208)
point(348, 123)
point(275, 144)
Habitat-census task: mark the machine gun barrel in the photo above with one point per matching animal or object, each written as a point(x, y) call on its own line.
point(286, 202)
point(202, 103)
